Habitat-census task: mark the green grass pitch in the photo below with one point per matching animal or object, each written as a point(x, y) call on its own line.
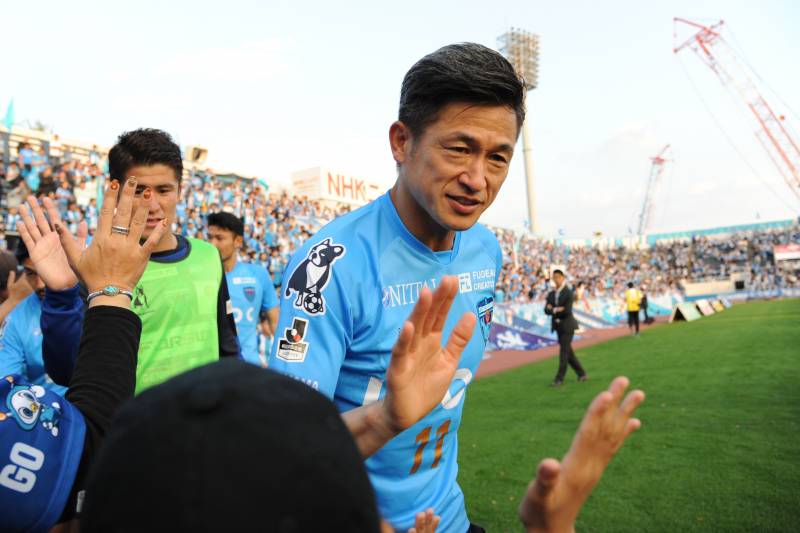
point(719, 447)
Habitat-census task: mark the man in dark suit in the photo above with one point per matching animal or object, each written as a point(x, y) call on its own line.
point(559, 307)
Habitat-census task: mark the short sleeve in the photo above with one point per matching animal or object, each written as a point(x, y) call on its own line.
point(315, 325)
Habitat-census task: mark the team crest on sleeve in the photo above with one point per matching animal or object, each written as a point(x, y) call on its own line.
point(312, 275)
point(291, 347)
point(485, 311)
point(250, 293)
point(25, 407)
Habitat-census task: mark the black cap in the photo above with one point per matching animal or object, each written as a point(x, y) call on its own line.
point(229, 447)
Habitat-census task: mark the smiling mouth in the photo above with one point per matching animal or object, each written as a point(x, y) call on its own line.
point(463, 204)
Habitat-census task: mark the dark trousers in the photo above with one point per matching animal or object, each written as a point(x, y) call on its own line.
point(566, 356)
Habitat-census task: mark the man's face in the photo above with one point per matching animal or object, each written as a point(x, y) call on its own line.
point(224, 240)
point(558, 279)
point(455, 167)
point(32, 277)
point(165, 189)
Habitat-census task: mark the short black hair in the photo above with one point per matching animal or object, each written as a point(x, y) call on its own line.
point(558, 271)
point(630, 284)
point(226, 221)
point(21, 252)
point(145, 146)
point(464, 72)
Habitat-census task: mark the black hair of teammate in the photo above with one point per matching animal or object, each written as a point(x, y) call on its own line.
point(228, 221)
point(466, 73)
point(558, 271)
point(630, 284)
point(145, 147)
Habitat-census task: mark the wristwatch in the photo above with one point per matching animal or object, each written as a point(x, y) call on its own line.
point(108, 290)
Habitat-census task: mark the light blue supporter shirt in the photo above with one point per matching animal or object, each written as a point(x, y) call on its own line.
point(21, 344)
point(251, 291)
point(345, 296)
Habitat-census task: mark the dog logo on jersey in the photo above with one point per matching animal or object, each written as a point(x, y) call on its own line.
point(250, 293)
point(291, 348)
point(312, 275)
point(25, 407)
point(485, 311)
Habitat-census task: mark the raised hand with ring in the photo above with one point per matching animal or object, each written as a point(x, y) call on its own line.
point(114, 261)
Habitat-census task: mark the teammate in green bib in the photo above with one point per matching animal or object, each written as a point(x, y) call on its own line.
point(182, 297)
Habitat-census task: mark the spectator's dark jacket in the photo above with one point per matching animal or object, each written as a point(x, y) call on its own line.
point(563, 321)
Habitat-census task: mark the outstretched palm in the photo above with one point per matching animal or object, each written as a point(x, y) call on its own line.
point(44, 245)
point(421, 371)
point(554, 499)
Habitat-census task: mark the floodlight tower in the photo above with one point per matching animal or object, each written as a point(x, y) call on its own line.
point(521, 48)
point(656, 171)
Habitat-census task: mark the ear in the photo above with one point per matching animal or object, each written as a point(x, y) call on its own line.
point(338, 250)
point(399, 141)
point(326, 242)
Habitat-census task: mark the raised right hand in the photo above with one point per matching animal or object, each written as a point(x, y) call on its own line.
point(114, 258)
point(555, 497)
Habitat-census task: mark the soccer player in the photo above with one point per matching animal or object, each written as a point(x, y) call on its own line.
point(633, 300)
point(347, 291)
point(250, 286)
point(182, 297)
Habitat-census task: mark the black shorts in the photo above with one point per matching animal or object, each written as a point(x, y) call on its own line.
point(633, 318)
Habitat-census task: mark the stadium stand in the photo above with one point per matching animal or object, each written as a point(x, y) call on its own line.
point(737, 261)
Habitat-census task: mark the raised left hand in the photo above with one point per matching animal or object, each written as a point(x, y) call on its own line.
point(420, 370)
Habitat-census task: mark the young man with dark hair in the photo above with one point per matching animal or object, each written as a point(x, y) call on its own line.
point(251, 289)
point(559, 306)
point(182, 297)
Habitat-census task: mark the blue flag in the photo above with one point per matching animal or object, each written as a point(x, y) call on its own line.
point(8, 121)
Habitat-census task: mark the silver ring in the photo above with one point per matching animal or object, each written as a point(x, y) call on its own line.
point(119, 229)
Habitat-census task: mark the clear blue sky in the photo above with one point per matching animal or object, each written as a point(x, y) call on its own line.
point(272, 87)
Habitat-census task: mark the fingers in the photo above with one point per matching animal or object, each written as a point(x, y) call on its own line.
point(52, 211)
point(38, 215)
point(152, 241)
point(403, 343)
point(617, 388)
point(71, 247)
point(24, 234)
point(122, 218)
point(30, 225)
point(460, 336)
point(632, 425)
point(83, 232)
point(631, 402)
point(546, 478)
point(446, 293)
point(104, 221)
point(419, 314)
point(140, 216)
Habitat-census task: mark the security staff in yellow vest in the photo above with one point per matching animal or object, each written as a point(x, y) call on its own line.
point(633, 300)
point(182, 297)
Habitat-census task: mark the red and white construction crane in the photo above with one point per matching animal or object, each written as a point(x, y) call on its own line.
point(656, 171)
point(773, 130)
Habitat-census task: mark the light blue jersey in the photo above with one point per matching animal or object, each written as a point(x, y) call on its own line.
point(345, 296)
point(21, 344)
point(251, 291)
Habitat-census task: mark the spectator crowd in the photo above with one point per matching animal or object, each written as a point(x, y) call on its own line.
point(276, 224)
